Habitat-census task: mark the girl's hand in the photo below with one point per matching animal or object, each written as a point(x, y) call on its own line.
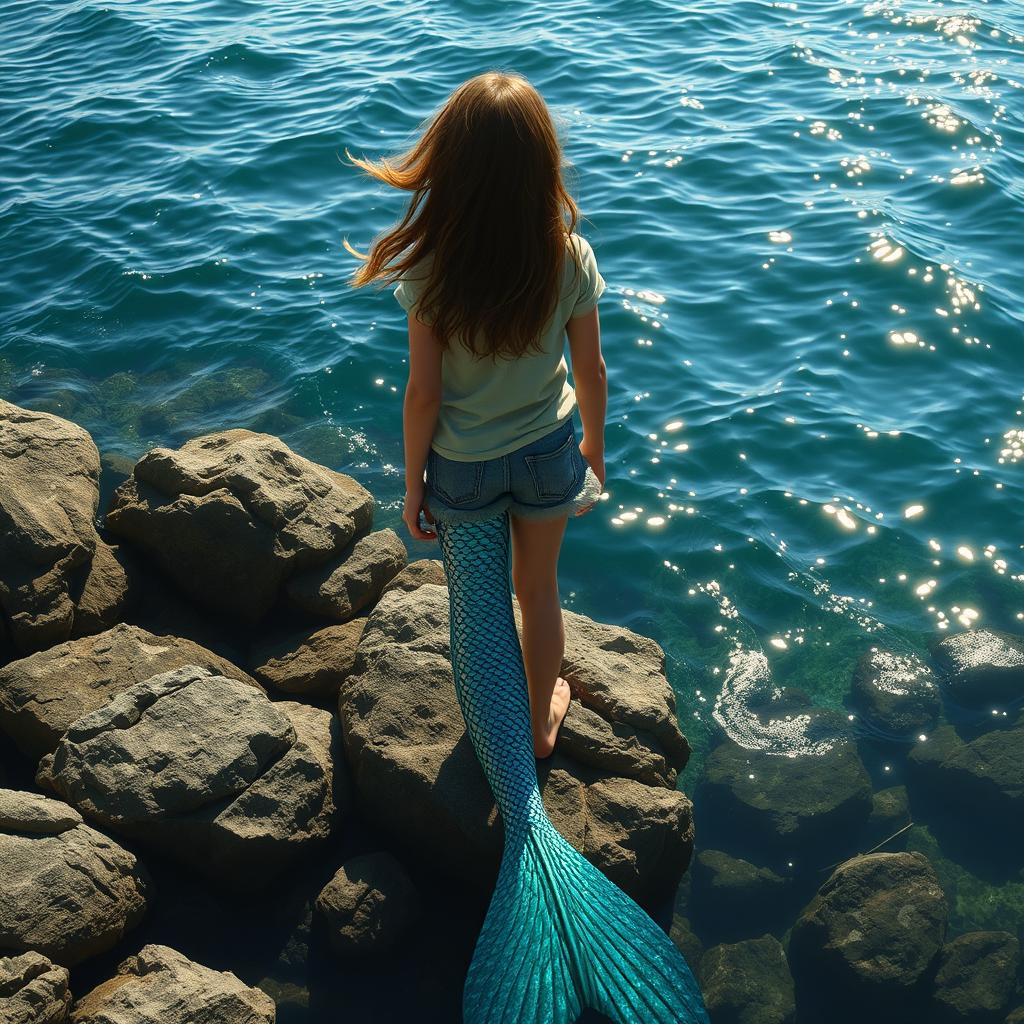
point(414, 502)
point(595, 460)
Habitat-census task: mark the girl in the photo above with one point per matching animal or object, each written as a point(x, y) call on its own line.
point(493, 280)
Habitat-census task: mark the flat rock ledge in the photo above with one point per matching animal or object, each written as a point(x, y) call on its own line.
point(609, 786)
point(67, 891)
point(161, 984)
point(206, 769)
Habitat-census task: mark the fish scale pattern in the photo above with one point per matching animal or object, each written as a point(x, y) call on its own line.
point(559, 936)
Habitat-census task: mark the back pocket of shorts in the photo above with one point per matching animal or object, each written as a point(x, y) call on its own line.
point(554, 472)
point(454, 481)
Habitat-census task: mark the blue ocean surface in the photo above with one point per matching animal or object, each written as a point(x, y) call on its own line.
point(809, 218)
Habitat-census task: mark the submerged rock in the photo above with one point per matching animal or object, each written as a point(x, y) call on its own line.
point(982, 779)
point(896, 692)
point(871, 933)
point(204, 768)
point(982, 666)
point(160, 984)
point(369, 905)
point(734, 896)
point(417, 776)
point(33, 990)
point(976, 978)
point(66, 890)
point(49, 496)
point(788, 802)
point(890, 812)
point(231, 516)
point(748, 983)
point(41, 695)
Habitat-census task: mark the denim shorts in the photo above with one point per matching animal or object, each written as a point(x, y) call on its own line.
point(547, 477)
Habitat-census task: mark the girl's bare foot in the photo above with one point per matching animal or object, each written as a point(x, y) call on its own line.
point(544, 740)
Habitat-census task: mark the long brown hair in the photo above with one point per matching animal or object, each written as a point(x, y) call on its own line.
point(487, 172)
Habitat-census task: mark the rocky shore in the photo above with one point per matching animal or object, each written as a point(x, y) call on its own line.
point(227, 711)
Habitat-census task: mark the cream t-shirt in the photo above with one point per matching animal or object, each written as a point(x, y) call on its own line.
point(489, 408)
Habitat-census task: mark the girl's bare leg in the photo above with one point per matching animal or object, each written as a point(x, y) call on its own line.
point(535, 547)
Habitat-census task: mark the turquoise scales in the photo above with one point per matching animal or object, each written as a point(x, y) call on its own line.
point(559, 936)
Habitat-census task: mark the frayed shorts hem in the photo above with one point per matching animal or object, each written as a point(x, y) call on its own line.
point(587, 495)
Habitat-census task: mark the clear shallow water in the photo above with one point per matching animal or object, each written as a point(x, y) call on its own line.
point(807, 214)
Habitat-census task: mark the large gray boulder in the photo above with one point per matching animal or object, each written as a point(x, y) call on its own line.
point(206, 769)
point(33, 990)
point(41, 695)
point(982, 779)
point(160, 984)
point(66, 890)
point(982, 666)
point(231, 516)
point(49, 496)
point(897, 693)
point(872, 932)
point(609, 787)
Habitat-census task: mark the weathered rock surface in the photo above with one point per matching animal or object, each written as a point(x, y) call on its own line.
point(982, 666)
point(982, 779)
point(33, 990)
point(41, 695)
point(352, 580)
point(108, 594)
point(49, 496)
point(748, 983)
point(896, 693)
point(872, 931)
point(231, 516)
point(976, 978)
point(787, 802)
point(206, 769)
point(160, 984)
point(417, 776)
point(66, 890)
point(369, 905)
point(308, 665)
point(423, 570)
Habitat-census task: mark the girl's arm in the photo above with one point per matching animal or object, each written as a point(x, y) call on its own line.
point(419, 414)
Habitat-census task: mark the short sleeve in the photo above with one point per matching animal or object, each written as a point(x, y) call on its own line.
point(592, 284)
point(407, 293)
point(410, 288)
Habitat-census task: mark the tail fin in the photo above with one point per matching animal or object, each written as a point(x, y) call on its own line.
point(560, 936)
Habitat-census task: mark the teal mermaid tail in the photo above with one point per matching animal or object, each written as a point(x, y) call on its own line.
point(559, 936)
